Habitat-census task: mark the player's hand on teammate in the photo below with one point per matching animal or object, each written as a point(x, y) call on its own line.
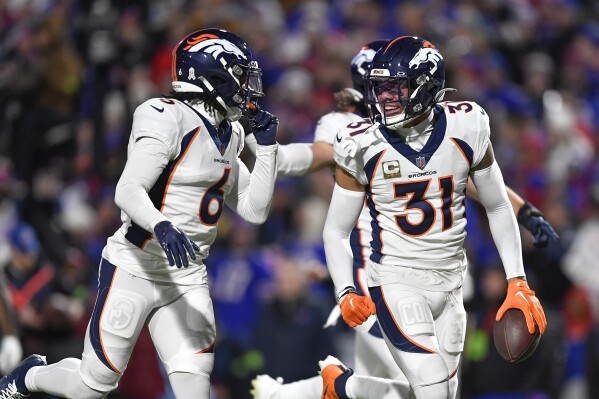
point(355, 309)
point(175, 243)
point(264, 126)
point(520, 296)
point(534, 221)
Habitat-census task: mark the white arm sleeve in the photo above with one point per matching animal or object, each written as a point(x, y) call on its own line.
point(293, 159)
point(251, 143)
point(344, 211)
point(145, 162)
point(251, 194)
point(502, 222)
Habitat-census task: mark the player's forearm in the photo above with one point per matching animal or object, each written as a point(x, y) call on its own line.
point(253, 195)
point(144, 165)
point(502, 222)
point(344, 209)
point(295, 159)
point(516, 201)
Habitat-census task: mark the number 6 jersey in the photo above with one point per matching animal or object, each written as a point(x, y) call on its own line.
point(416, 197)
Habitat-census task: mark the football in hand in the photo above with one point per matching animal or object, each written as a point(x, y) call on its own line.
point(512, 339)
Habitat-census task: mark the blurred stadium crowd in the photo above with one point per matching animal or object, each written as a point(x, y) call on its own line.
point(72, 73)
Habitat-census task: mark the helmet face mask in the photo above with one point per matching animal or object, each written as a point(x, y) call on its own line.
point(219, 65)
point(406, 79)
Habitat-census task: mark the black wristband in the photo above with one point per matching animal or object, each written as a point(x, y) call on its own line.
point(350, 289)
point(527, 211)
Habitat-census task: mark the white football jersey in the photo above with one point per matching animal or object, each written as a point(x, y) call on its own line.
point(190, 192)
point(416, 198)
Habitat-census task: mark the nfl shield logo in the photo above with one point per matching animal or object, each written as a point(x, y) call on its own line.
point(421, 162)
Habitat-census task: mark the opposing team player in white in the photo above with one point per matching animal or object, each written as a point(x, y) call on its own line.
point(412, 165)
point(182, 166)
point(372, 358)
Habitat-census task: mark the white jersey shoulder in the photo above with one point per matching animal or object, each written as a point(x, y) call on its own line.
point(468, 121)
point(329, 124)
point(358, 132)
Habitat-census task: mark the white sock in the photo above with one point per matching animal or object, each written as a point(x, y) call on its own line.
point(303, 389)
point(363, 387)
point(188, 385)
point(60, 379)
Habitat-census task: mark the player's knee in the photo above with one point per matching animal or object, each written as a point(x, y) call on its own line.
point(76, 388)
point(97, 376)
point(438, 390)
point(426, 370)
point(191, 363)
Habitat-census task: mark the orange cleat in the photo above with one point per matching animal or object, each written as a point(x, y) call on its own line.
point(334, 377)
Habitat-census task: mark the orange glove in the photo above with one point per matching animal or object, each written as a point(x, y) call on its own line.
point(520, 296)
point(355, 309)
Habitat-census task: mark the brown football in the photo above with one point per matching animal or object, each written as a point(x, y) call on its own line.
point(512, 339)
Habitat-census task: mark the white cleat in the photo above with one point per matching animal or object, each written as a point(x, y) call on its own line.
point(264, 386)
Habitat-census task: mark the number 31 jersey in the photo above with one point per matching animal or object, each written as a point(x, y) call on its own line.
point(416, 198)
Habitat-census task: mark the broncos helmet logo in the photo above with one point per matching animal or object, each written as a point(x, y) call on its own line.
point(424, 55)
point(363, 59)
point(213, 45)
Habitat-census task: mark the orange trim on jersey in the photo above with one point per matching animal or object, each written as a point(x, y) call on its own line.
point(462, 151)
point(378, 162)
point(399, 328)
point(170, 177)
point(394, 40)
point(205, 350)
point(147, 240)
point(112, 366)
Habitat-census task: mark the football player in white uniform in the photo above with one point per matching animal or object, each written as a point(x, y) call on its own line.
point(183, 165)
point(411, 163)
point(372, 357)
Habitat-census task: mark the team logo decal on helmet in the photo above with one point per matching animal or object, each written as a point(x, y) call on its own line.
point(424, 55)
point(216, 66)
point(212, 44)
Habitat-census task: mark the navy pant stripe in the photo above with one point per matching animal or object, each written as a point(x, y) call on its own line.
point(385, 319)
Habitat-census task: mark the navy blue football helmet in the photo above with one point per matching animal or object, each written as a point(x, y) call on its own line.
point(409, 72)
point(220, 65)
point(360, 64)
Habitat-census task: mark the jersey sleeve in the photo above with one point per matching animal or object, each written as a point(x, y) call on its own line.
point(329, 124)
point(352, 165)
point(159, 120)
point(482, 134)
